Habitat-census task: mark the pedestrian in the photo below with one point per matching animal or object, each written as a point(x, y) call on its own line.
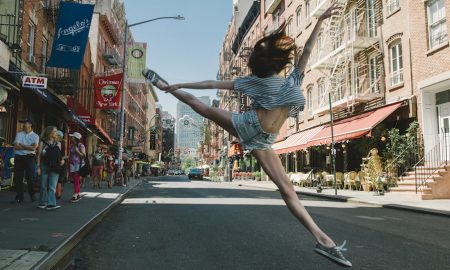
point(63, 171)
point(274, 99)
point(49, 161)
point(77, 154)
point(25, 145)
point(97, 167)
point(118, 165)
point(110, 171)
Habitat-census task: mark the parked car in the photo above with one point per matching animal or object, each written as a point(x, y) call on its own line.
point(195, 173)
point(172, 172)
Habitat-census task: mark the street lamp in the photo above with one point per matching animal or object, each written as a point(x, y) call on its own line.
point(122, 111)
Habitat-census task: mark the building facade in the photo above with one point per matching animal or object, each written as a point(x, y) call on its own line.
point(189, 128)
point(385, 58)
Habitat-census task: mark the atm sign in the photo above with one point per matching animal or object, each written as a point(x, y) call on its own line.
point(34, 82)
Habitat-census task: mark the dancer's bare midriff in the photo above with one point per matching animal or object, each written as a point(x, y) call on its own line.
point(272, 120)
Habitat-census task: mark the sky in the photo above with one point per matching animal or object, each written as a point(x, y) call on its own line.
point(181, 51)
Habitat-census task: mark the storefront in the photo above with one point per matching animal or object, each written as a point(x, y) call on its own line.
point(353, 138)
point(435, 109)
point(84, 123)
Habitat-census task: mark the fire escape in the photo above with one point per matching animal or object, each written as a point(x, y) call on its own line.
point(349, 78)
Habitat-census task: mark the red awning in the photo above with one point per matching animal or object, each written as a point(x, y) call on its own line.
point(354, 127)
point(296, 141)
point(103, 134)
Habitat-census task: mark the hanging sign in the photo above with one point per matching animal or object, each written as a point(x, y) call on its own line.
point(71, 34)
point(108, 92)
point(34, 82)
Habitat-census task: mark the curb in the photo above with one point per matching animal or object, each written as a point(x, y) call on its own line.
point(341, 198)
point(58, 257)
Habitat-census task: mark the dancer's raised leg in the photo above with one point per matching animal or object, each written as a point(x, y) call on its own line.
point(271, 164)
point(219, 116)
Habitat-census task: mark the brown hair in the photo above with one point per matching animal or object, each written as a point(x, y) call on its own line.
point(45, 136)
point(272, 53)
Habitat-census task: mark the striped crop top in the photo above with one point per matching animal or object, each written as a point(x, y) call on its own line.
point(274, 91)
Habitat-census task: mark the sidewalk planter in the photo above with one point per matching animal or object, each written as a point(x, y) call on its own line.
point(257, 176)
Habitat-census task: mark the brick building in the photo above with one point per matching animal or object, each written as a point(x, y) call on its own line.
point(383, 63)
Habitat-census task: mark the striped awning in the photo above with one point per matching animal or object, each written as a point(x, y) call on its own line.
point(296, 141)
point(354, 127)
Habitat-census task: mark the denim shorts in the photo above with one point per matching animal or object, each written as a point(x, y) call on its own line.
point(251, 135)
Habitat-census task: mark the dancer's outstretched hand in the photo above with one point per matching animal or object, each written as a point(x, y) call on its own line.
point(171, 88)
point(332, 10)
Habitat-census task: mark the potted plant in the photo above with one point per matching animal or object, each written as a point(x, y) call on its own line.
point(257, 176)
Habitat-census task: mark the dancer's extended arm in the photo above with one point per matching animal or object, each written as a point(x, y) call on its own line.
point(309, 45)
point(201, 85)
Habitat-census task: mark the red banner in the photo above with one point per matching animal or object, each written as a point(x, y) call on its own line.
point(108, 91)
point(82, 113)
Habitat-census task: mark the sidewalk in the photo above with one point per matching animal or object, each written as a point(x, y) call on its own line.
point(29, 235)
point(411, 202)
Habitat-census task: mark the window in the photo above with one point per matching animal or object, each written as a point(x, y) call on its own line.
point(44, 54)
point(322, 101)
point(338, 92)
point(392, 6)
point(437, 23)
point(396, 64)
point(319, 43)
point(373, 75)
point(30, 41)
point(299, 20)
point(371, 19)
point(308, 9)
point(300, 116)
point(309, 101)
point(290, 28)
point(276, 19)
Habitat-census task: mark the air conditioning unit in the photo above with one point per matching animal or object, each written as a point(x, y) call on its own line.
point(31, 59)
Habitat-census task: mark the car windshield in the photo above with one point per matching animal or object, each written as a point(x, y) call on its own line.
point(195, 170)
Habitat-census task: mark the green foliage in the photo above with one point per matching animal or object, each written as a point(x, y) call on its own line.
point(400, 146)
point(257, 174)
point(187, 163)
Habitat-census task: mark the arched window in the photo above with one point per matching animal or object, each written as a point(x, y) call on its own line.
point(290, 27)
point(310, 100)
point(308, 9)
point(396, 62)
point(299, 20)
point(322, 94)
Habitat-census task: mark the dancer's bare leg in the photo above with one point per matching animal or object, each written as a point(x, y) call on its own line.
point(271, 164)
point(219, 116)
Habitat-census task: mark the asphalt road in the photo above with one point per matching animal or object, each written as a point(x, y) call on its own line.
point(174, 223)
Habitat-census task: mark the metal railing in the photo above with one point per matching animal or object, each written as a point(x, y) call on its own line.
point(432, 161)
point(398, 167)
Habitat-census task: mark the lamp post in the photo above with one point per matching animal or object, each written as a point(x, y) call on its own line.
point(122, 99)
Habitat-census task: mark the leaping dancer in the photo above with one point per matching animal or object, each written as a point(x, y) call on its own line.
point(274, 98)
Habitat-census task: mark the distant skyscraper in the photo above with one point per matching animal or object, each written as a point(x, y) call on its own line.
point(188, 136)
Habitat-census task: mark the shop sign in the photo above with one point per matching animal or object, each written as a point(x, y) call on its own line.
point(108, 92)
point(82, 113)
point(34, 82)
point(71, 35)
point(5, 55)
